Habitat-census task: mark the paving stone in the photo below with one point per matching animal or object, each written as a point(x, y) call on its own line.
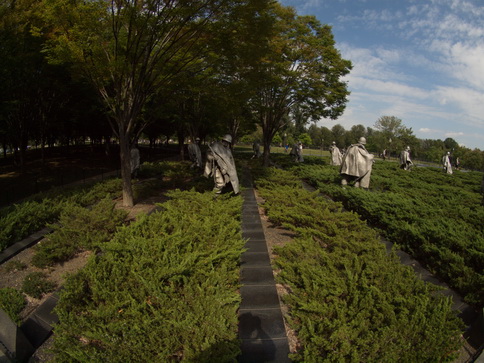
point(40, 234)
point(405, 258)
point(36, 330)
point(250, 218)
point(388, 245)
point(13, 343)
point(428, 277)
point(250, 210)
point(264, 351)
point(248, 193)
point(469, 315)
point(252, 259)
point(261, 324)
point(254, 235)
point(259, 296)
point(475, 334)
point(45, 311)
point(257, 276)
point(256, 246)
point(19, 246)
point(251, 226)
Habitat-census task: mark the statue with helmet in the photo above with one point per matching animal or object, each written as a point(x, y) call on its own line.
point(297, 152)
point(336, 155)
point(195, 154)
point(405, 162)
point(356, 165)
point(447, 163)
point(220, 164)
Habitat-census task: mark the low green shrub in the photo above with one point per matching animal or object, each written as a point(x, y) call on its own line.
point(165, 288)
point(349, 299)
point(26, 218)
point(176, 175)
point(79, 229)
point(15, 265)
point(12, 302)
point(433, 216)
point(20, 220)
point(110, 188)
point(36, 284)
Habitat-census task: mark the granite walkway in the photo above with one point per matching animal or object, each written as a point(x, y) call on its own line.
point(261, 325)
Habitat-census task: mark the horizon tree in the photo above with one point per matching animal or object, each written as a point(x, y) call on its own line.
point(301, 67)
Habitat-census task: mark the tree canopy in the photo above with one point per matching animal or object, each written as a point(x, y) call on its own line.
point(301, 72)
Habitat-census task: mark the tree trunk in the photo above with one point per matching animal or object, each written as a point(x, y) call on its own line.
point(181, 143)
point(267, 149)
point(124, 153)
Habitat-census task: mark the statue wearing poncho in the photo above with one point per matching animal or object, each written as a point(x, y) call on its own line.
point(356, 165)
point(220, 163)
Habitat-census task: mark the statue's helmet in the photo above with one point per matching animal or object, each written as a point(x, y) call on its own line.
point(227, 138)
point(334, 142)
point(362, 140)
point(197, 139)
point(408, 147)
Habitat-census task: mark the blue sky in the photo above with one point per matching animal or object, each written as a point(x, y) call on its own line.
point(419, 60)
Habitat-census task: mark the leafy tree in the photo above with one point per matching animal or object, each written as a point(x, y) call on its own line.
point(338, 133)
point(327, 137)
point(21, 74)
point(355, 133)
point(394, 135)
point(302, 67)
point(450, 144)
point(239, 50)
point(277, 140)
point(315, 135)
point(129, 50)
point(305, 139)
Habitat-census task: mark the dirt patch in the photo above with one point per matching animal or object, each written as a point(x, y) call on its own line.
point(14, 277)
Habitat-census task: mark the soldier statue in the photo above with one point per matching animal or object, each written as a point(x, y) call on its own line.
point(220, 164)
point(336, 156)
point(356, 165)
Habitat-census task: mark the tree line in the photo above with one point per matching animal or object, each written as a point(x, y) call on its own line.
point(388, 133)
point(105, 69)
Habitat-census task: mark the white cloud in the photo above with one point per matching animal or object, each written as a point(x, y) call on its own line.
point(426, 130)
point(453, 134)
point(470, 102)
point(387, 88)
point(468, 64)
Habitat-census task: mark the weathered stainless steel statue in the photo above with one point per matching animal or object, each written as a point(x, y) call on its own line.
point(220, 164)
point(447, 163)
point(195, 154)
point(336, 156)
point(405, 162)
point(134, 161)
point(296, 151)
point(356, 165)
point(256, 150)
